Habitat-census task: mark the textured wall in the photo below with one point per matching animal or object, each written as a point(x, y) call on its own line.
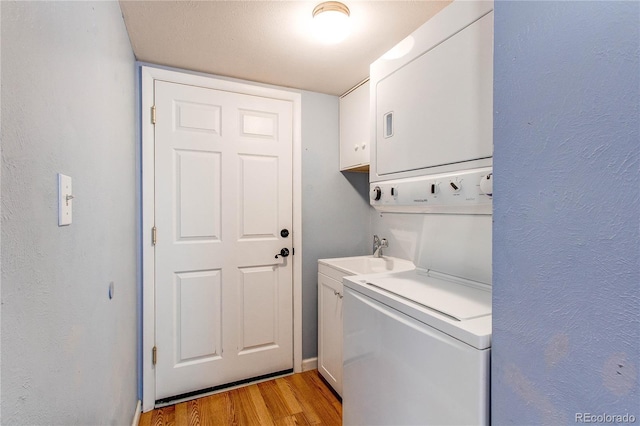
point(68, 352)
point(335, 206)
point(566, 297)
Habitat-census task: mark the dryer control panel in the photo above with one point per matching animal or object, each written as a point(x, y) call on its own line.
point(461, 192)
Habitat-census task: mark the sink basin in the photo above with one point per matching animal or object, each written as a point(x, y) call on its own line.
point(360, 265)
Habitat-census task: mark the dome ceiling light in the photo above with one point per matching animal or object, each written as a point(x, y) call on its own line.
point(331, 22)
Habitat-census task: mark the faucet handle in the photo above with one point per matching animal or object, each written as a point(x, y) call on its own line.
point(384, 243)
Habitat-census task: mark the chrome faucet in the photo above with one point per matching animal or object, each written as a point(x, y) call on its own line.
point(378, 245)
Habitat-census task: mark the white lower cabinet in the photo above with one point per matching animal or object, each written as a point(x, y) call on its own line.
point(330, 325)
point(330, 299)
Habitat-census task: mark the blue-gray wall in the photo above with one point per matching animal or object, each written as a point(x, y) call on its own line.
point(68, 91)
point(566, 250)
point(335, 206)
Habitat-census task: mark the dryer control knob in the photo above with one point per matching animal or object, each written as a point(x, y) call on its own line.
point(486, 184)
point(376, 193)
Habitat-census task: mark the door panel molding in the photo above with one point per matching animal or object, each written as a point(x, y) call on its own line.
point(189, 312)
point(257, 129)
point(207, 224)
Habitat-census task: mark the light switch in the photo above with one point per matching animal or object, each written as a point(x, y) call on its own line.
point(65, 200)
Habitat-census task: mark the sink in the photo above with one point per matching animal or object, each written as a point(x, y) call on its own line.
point(360, 265)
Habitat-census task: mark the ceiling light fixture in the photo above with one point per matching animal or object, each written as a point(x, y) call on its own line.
point(331, 22)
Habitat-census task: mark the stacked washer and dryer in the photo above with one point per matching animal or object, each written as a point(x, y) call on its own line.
point(417, 343)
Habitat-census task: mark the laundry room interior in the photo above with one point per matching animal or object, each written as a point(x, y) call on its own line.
point(433, 221)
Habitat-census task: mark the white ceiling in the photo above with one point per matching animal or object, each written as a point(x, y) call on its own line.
point(269, 41)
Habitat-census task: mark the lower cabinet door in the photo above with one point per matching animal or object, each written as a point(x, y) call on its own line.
point(330, 331)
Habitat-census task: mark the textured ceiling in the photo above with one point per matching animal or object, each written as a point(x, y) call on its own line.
point(269, 41)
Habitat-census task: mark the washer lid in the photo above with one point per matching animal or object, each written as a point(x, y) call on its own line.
point(458, 301)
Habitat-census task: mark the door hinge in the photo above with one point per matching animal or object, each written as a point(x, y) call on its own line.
point(153, 114)
point(154, 355)
point(154, 235)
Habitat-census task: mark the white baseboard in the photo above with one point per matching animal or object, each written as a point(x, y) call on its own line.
point(309, 364)
point(136, 416)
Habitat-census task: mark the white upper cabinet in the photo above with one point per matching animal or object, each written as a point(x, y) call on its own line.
point(354, 130)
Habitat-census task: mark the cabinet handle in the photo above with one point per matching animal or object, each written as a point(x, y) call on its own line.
point(337, 293)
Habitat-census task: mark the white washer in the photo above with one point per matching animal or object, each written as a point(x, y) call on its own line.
point(416, 350)
point(417, 343)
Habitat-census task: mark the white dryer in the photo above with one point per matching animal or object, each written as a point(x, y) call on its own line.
point(417, 343)
point(434, 100)
point(431, 113)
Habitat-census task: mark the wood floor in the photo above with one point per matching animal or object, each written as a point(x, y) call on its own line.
point(299, 399)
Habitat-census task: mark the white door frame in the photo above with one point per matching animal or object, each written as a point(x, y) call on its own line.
point(147, 172)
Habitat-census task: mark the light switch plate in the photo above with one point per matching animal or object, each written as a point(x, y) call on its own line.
point(65, 200)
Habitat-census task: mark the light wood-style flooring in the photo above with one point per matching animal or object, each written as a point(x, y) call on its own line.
point(299, 399)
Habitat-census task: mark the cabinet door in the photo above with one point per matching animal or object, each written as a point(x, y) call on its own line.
point(354, 129)
point(330, 331)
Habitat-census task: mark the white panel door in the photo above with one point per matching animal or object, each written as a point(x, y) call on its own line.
point(223, 193)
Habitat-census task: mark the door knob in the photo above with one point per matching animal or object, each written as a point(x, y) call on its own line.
point(283, 253)
point(284, 233)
